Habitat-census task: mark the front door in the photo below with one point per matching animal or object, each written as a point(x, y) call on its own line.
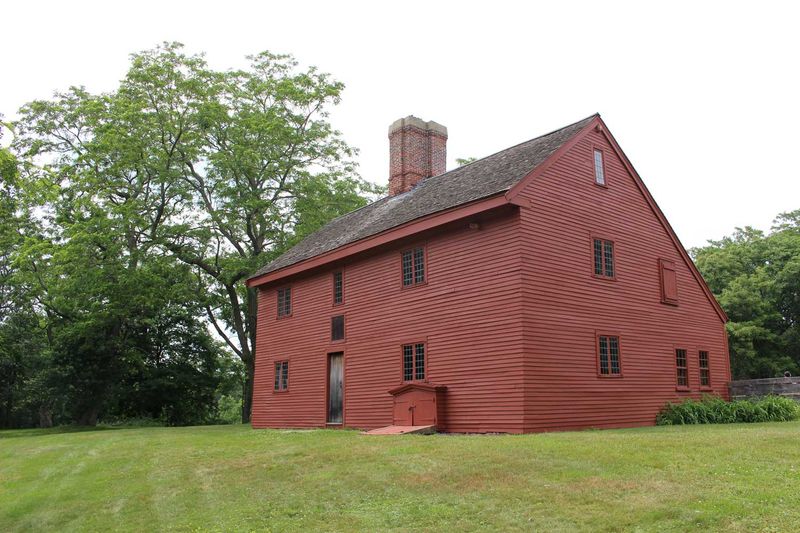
point(335, 387)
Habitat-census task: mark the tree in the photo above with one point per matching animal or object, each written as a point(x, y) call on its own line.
point(221, 171)
point(24, 351)
point(461, 161)
point(756, 278)
point(9, 237)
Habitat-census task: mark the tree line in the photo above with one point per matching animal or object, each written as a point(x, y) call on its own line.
point(130, 220)
point(756, 278)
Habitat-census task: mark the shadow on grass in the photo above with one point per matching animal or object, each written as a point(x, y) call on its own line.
point(35, 432)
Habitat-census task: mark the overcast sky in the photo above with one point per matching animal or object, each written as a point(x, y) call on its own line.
point(704, 97)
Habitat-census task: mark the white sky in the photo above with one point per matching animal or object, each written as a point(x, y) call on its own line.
point(704, 97)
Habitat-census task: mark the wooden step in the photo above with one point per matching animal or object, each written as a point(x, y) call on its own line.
point(402, 430)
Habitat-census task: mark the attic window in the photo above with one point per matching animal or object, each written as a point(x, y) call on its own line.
point(413, 267)
point(599, 172)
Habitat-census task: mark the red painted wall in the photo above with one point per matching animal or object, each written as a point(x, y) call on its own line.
point(509, 313)
point(468, 313)
point(565, 305)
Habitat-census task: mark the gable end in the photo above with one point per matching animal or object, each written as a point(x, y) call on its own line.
point(599, 126)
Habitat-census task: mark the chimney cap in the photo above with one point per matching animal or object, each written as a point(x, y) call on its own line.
point(413, 122)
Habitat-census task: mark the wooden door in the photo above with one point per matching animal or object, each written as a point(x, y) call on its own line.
point(335, 388)
point(403, 412)
point(424, 413)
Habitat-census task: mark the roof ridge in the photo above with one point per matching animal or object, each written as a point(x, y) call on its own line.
point(512, 147)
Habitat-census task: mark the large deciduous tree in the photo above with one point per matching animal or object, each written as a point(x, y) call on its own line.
point(217, 170)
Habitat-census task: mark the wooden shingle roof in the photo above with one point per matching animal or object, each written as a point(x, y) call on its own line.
point(481, 179)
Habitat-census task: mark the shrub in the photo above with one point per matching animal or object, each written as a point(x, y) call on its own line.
point(715, 410)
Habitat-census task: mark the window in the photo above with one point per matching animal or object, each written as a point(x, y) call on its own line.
point(337, 328)
point(705, 372)
point(285, 301)
point(281, 375)
point(413, 266)
point(608, 355)
point(414, 361)
point(604, 258)
point(599, 173)
point(338, 287)
point(682, 365)
point(669, 282)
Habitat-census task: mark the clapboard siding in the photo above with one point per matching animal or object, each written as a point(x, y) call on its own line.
point(509, 313)
point(564, 305)
point(469, 314)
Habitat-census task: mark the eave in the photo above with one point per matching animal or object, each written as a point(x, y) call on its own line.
point(399, 232)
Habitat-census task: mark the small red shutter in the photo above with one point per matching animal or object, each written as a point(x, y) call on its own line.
point(669, 282)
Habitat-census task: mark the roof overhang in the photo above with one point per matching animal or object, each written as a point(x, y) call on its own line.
point(399, 232)
point(416, 385)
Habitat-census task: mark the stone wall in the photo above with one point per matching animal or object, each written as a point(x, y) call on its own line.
point(748, 388)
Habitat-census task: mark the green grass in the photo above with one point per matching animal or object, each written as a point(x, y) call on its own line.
point(231, 478)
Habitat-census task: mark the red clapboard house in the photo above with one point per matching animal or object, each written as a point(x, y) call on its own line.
point(539, 288)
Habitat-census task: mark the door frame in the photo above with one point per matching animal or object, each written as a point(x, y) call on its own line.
point(328, 386)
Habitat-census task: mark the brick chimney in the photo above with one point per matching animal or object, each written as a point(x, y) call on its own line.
point(417, 150)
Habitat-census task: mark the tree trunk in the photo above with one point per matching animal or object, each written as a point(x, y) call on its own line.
point(88, 417)
point(45, 417)
point(250, 363)
point(247, 391)
point(6, 421)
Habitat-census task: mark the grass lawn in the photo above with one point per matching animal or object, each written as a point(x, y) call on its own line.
point(232, 478)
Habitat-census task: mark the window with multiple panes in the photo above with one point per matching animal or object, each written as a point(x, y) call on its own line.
point(413, 266)
point(682, 366)
point(338, 287)
point(705, 371)
point(337, 328)
point(669, 282)
point(603, 258)
point(281, 375)
point(599, 171)
point(285, 301)
point(414, 362)
point(608, 355)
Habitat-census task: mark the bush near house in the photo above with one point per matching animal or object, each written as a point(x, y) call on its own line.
point(715, 410)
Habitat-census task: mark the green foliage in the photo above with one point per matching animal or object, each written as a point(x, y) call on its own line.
point(715, 410)
point(230, 409)
point(461, 161)
point(756, 278)
point(210, 172)
point(24, 362)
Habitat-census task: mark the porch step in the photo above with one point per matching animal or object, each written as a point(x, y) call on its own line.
point(401, 430)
